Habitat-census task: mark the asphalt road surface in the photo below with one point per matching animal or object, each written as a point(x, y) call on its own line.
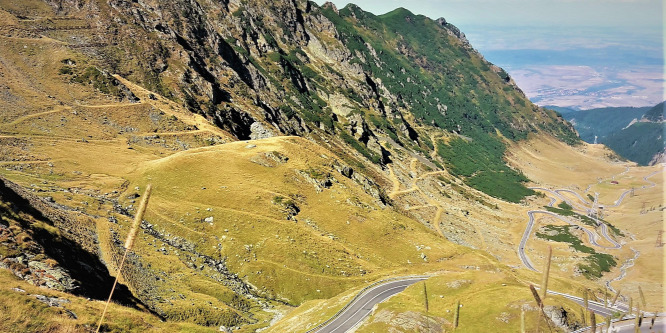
point(591, 235)
point(627, 326)
point(595, 306)
point(363, 305)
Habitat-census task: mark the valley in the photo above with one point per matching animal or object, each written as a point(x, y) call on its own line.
point(292, 168)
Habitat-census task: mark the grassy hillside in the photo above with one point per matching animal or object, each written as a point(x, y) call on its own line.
point(656, 113)
point(587, 170)
point(297, 153)
point(603, 122)
point(639, 142)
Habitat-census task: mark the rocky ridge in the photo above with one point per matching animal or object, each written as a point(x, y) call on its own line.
point(362, 86)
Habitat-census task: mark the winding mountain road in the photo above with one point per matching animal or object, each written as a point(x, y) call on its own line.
point(597, 307)
point(581, 206)
point(362, 305)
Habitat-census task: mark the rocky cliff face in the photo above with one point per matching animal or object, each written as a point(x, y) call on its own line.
point(260, 68)
point(400, 115)
point(49, 247)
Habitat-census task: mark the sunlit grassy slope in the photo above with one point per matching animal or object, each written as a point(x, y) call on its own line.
point(237, 231)
point(594, 169)
point(338, 235)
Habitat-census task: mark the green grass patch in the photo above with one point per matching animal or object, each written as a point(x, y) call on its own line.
point(479, 163)
point(594, 265)
point(564, 206)
point(563, 234)
point(568, 212)
point(597, 264)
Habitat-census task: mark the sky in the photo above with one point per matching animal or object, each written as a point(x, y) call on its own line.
point(572, 53)
point(466, 13)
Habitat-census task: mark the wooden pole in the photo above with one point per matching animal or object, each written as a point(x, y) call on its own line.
point(546, 273)
point(129, 242)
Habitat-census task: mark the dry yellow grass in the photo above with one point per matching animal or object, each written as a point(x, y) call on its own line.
point(489, 298)
point(22, 312)
point(91, 145)
point(587, 169)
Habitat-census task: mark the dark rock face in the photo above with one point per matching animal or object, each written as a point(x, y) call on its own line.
point(26, 259)
point(56, 261)
point(257, 69)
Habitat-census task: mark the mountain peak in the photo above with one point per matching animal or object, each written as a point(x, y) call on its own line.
point(656, 114)
point(330, 5)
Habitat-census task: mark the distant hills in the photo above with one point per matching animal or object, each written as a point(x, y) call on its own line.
point(347, 113)
point(601, 122)
point(635, 133)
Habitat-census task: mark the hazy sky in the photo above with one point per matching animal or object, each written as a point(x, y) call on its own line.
point(627, 13)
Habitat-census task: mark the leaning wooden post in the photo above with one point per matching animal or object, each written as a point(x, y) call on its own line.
point(129, 242)
point(425, 298)
point(456, 315)
point(606, 297)
point(615, 298)
point(640, 292)
point(546, 273)
point(585, 300)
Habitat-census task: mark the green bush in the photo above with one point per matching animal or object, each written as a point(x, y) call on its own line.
point(480, 164)
point(595, 264)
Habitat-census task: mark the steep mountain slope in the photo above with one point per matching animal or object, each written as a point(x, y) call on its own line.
point(634, 133)
point(375, 144)
point(642, 142)
point(600, 123)
point(560, 109)
point(261, 68)
point(656, 114)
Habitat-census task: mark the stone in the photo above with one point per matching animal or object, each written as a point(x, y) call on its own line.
point(560, 318)
point(259, 131)
point(209, 219)
point(52, 301)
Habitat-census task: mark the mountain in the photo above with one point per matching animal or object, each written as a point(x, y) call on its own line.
point(602, 122)
point(643, 141)
point(634, 133)
point(560, 109)
point(298, 153)
point(655, 114)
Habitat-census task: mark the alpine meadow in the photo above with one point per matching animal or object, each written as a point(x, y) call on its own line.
point(310, 169)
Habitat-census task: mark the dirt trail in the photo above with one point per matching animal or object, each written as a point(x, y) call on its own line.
point(173, 133)
point(430, 202)
point(395, 181)
point(171, 108)
point(36, 115)
point(433, 155)
point(104, 239)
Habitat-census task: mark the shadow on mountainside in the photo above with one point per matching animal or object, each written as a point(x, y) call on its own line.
point(94, 280)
